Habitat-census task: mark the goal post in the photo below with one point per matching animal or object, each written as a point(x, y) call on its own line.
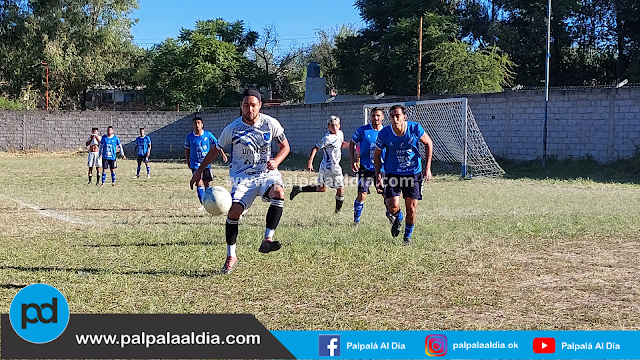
point(453, 129)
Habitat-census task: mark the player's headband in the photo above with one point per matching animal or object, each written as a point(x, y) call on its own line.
point(252, 92)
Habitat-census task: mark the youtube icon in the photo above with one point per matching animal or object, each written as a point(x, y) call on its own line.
point(544, 345)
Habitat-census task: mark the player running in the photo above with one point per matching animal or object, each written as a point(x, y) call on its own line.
point(94, 159)
point(143, 144)
point(330, 172)
point(196, 146)
point(403, 167)
point(366, 136)
point(109, 146)
point(253, 171)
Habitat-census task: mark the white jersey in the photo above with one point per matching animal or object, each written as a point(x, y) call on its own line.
point(331, 144)
point(251, 146)
point(94, 141)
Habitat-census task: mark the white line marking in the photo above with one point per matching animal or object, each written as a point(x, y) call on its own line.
point(47, 213)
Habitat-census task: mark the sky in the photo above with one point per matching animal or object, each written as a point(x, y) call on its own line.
point(295, 21)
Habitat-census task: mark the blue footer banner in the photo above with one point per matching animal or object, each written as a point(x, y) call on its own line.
point(461, 344)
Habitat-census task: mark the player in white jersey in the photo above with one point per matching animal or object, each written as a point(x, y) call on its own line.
point(94, 159)
point(330, 172)
point(253, 171)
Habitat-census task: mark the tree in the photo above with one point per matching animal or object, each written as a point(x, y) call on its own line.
point(459, 69)
point(81, 41)
point(202, 67)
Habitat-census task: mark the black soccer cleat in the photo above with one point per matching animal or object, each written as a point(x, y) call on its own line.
point(406, 241)
point(269, 246)
point(395, 227)
point(295, 191)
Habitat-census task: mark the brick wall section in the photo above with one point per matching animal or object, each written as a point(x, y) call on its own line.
point(603, 123)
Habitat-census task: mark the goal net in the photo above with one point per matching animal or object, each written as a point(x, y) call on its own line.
point(453, 129)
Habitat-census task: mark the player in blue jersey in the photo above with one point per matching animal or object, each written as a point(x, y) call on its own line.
point(253, 172)
point(366, 137)
point(143, 145)
point(109, 146)
point(196, 146)
point(403, 167)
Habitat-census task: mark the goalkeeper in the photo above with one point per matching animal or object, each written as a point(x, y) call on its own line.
point(403, 168)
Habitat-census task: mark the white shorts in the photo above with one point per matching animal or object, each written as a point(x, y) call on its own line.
point(244, 191)
point(332, 179)
point(94, 160)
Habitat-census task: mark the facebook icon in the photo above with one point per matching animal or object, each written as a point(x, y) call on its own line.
point(329, 345)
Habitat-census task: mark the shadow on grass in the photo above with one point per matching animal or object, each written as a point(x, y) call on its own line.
point(142, 244)
point(94, 271)
point(626, 171)
point(12, 286)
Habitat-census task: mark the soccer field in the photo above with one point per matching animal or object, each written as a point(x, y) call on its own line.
point(486, 253)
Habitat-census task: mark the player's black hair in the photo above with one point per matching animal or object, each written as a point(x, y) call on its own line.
point(94, 129)
point(196, 118)
point(373, 111)
point(109, 127)
point(141, 129)
point(401, 107)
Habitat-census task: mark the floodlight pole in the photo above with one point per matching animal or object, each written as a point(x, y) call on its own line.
point(419, 58)
point(546, 88)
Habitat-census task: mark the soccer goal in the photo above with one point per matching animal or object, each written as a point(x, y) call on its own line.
point(453, 129)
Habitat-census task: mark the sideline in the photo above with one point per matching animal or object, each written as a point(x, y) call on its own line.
point(47, 213)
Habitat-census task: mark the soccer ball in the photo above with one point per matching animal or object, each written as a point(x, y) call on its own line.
point(217, 201)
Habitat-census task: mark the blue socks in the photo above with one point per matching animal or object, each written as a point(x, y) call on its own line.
point(200, 193)
point(138, 172)
point(148, 170)
point(104, 176)
point(357, 210)
point(113, 178)
point(408, 230)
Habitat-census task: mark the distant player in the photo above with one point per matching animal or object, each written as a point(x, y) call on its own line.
point(109, 145)
point(403, 167)
point(330, 172)
point(196, 146)
point(94, 159)
point(365, 136)
point(143, 145)
point(253, 171)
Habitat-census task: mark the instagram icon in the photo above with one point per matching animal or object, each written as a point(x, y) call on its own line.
point(436, 345)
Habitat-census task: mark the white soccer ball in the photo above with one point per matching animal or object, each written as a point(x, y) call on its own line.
point(217, 201)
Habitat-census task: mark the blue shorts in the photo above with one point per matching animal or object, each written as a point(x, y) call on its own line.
point(206, 174)
point(366, 178)
point(109, 164)
point(409, 185)
point(143, 158)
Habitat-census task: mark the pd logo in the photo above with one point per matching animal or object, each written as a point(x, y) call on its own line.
point(329, 345)
point(39, 313)
point(436, 345)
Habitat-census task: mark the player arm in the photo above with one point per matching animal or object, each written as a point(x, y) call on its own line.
point(187, 155)
point(282, 154)
point(312, 155)
point(352, 157)
point(428, 150)
point(377, 164)
point(197, 176)
point(149, 149)
point(89, 141)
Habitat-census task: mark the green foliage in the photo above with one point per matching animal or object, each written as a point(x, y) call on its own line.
point(7, 104)
point(81, 40)
point(202, 67)
point(459, 69)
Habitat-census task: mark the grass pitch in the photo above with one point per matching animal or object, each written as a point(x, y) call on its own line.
point(525, 253)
